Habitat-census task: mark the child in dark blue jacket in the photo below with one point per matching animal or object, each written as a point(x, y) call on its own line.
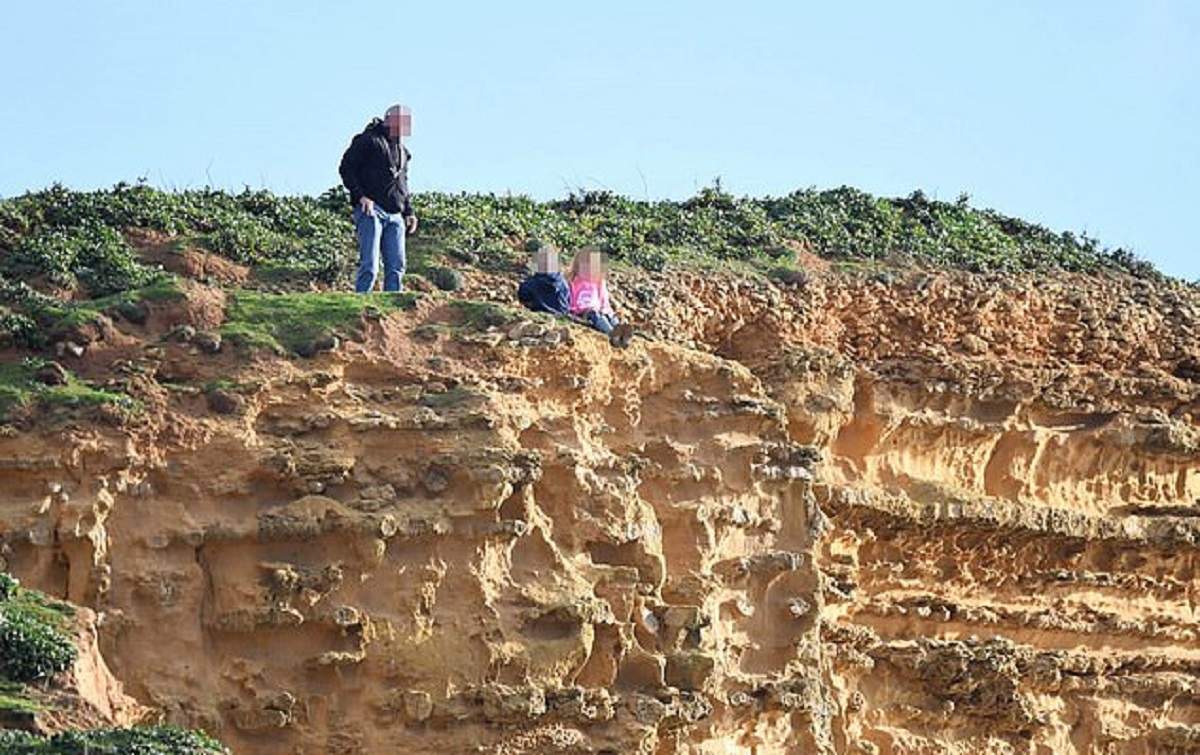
point(545, 290)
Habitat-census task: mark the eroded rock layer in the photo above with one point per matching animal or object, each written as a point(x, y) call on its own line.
point(934, 514)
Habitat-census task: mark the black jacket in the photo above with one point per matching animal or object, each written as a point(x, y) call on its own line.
point(376, 167)
point(545, 292)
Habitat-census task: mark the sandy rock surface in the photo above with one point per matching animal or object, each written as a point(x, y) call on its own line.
point(922, 512)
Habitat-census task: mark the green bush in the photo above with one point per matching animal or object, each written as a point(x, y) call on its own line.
point(91, 253)
point(17, 329)
point(8, 586)
point(34, 643)
point(157, 740)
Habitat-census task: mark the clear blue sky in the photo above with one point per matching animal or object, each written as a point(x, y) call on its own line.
point(1079, 115)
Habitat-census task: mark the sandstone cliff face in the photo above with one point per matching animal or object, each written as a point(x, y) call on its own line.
point(935, 513)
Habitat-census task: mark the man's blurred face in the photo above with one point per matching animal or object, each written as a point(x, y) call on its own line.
point(398, 120)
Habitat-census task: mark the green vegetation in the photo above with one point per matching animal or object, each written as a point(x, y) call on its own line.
point(67, 237)
point(839, 223)
point(293, 322)
point(33, 319)
point(253, 227)
point(156, 740)
point(34, 639)
point(482, 315)
point(20, 387)
point(91, 254)
point(14, 700)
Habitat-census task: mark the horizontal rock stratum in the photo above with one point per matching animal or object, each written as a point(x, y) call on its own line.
point(919, 512)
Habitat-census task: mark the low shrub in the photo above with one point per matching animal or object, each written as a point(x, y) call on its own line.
point(34, 642)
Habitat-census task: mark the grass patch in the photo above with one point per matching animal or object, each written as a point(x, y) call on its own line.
point(34, 320)
point(482, 314)
point(286, 323)
point(19, 388)
point(225, 384)
point(162, 289)
point(14, 700)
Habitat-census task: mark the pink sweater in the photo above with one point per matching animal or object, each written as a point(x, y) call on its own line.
point(589, 295)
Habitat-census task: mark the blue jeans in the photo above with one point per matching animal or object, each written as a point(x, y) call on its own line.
point(600, 321)
point(379, 232)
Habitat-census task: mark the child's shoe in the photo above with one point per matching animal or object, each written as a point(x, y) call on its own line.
point(621, 335)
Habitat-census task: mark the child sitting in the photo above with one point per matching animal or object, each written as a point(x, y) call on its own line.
point(589, 296)
point(545, 290)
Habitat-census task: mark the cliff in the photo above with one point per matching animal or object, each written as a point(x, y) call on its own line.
point(850, 510)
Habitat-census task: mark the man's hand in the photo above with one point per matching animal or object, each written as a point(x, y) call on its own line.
point(411, 223)
point(367, 205)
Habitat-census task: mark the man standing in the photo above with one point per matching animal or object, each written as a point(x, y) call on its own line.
point(375, 170)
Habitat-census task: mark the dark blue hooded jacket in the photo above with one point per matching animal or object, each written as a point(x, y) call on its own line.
point(545, 292)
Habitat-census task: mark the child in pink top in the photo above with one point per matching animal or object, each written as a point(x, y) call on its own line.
point(589, 291)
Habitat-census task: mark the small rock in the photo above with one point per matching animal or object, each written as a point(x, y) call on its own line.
point(973, 344)
point(417, 283)
point(798, 607)
point(791, 277)
point(183, 334)
point(410, 392)
point(225, 402)
point(347, 616)
point(465, 255)
point(326, 342)
point(427, 333)
point(207, 342)
point(490, 340)
point(52, 373)
point(418, 705)
point(689, 670)
point(524, 329)
point(445, 278)
point(510, 705)
point(435, 480)
point(133, 312)
point(1188, 369)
